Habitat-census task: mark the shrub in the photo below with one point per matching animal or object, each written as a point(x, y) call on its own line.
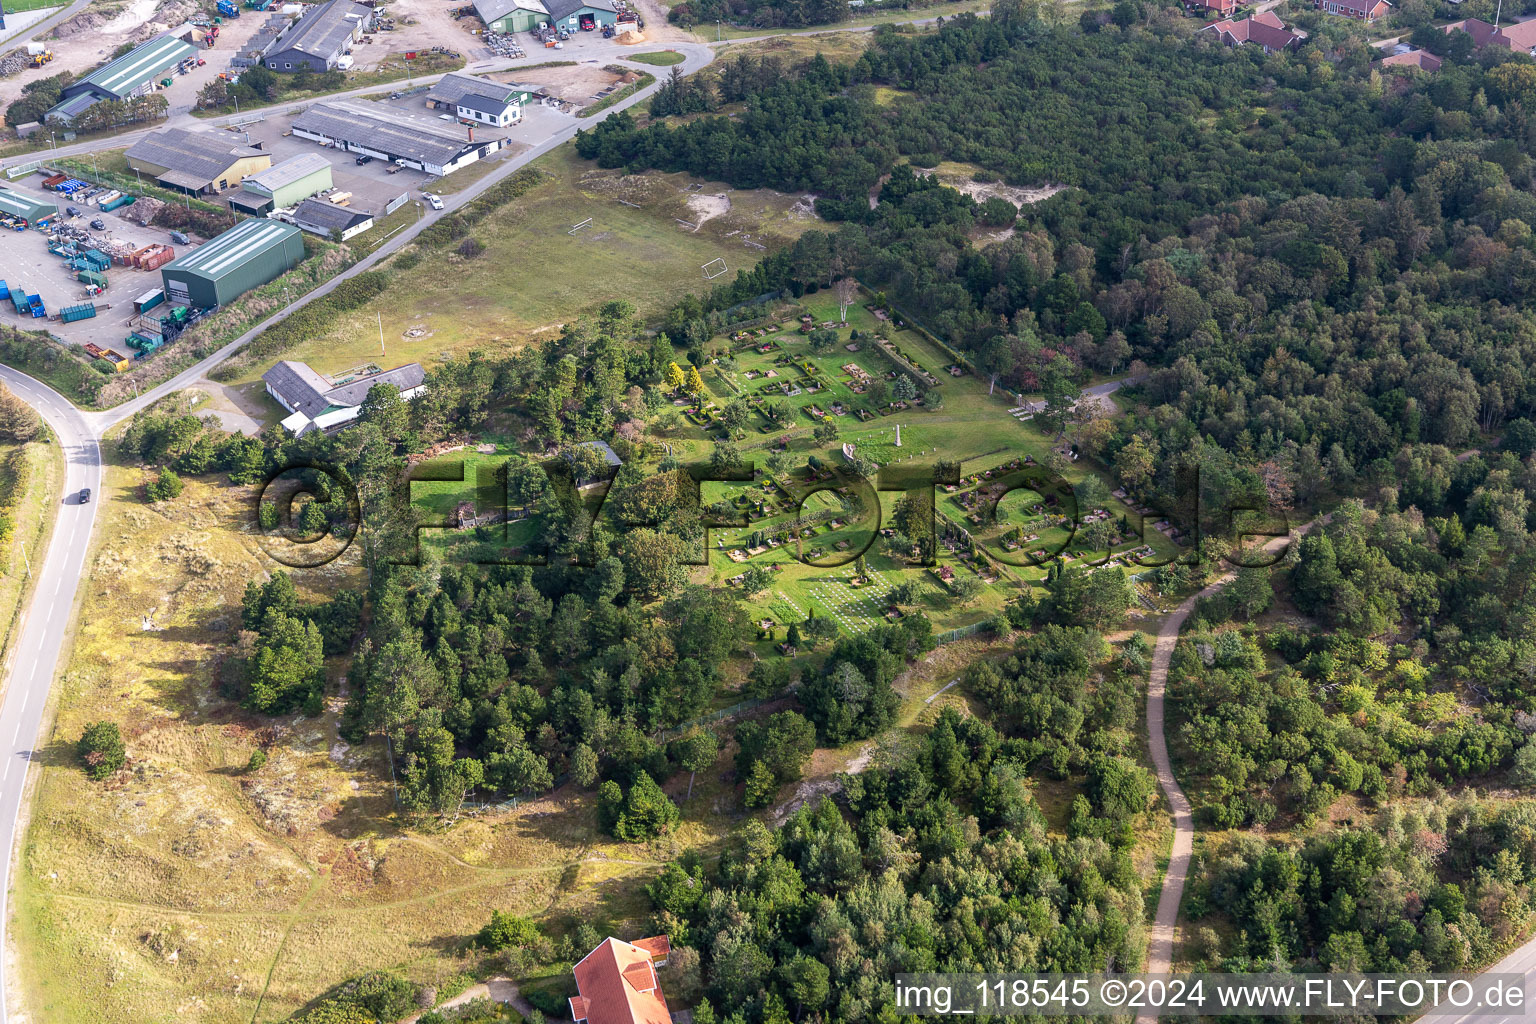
point(164, 487)
point(506, 931)
point(471, 247)
point(101, 748)
point(257, 761)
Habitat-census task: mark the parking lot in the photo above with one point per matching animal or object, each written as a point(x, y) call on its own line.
point(26, 263)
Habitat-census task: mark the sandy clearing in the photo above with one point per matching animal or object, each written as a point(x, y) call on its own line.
point(707, 208)
point(576, 83)
point(1020, 197)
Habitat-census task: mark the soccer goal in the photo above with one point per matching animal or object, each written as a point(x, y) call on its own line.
point(713, 269)
point(577, 227)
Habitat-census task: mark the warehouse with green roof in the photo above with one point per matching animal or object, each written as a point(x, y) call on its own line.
point(20, 206)
point(135, 73)
point(246, 256)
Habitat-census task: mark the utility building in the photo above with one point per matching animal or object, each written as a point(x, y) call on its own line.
point(508, 16)
point(420, 142)
point(246, 256)
point(320, 38)
point(196, 162)
point(283, 184)
point(20, 206)
point(582, 15)
point(454, 87)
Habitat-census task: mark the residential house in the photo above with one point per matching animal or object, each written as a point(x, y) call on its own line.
point(616, 983)
point(1367, 11)
point(1216, 8)
point(1519, 36)
point(330, 221)
point(1421, 60)
point(494, 112)
point(1266, 30)
point(1482, 32)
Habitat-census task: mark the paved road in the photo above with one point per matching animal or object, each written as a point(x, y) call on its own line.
point(37, 656)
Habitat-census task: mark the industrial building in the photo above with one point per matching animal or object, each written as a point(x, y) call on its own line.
point(455, 86)
point(328, 220)
point(317, 402)
point(133, 74)
point(283, 184)
point(575, 15)
point(246, 256)
point(20, 206)
point(196, 162)
point(512, 15)
point(321, 38)
point(422, 143)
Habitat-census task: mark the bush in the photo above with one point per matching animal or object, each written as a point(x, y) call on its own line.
point(385, 995)
point(164, 487)
point(257, 761)
point(471, 247)
point(101, 748)
point(507, 931)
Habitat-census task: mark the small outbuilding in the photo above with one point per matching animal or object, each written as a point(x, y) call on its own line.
point(582, 15)
point(27, 209)
point(246, 256)
point(328, 220)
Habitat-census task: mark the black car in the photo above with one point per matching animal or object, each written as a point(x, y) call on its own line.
point(98, 225)
point(73, 211)
point(365, 159)
point(85, 495)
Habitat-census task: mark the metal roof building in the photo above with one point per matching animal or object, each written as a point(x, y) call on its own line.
point(573, 14)
point(284, 184)
point(319, 38)
point(196, 161)
point(246, 256)
point(134, 73)
point(24, 207)
point(512, 15)
point(424, 143)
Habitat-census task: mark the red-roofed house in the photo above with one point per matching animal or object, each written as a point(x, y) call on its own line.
point(1480, 31)
point(1519, 37)
point(1266, 30)
point(1423, 60)
point(1220, 8)
point(1361, 10)
point(617, 984)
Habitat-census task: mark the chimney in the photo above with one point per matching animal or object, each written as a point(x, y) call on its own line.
point(471, 133)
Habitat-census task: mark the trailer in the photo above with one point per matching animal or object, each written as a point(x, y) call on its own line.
point(84, 311)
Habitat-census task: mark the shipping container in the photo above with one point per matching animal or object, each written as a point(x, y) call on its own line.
point(5, 292)
point(158, 259)
point(84, 311)
point(55, 181)
point(92, 277)
point(19, 300)
point(149, 300)
point(113, 204)
point(96, 259)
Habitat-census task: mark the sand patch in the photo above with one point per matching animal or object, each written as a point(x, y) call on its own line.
point(707, 208)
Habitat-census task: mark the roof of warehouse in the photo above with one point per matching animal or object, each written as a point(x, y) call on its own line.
point(15, 204)
point(324, 32)
point(491, 10)
point(389, 130)
point(295, 168)
point(140, 65)
point(195, 158)
point(562, 9)
point(320, 214)
point(453, 87)
point(406, 377)
point(231, 248)
point(67, 109)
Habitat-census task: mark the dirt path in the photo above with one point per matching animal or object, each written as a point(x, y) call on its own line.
point(1165, 923)
point(501, 990)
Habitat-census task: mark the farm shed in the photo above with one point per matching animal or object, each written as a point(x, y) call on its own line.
point(284, 184)
point(133, 74)
point(420, 142)
point(320, 38)
point(246, 256)
point(512, 15)
point(23, 207)
point(196, 162)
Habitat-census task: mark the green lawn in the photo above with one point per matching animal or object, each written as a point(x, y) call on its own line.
point(660, 58)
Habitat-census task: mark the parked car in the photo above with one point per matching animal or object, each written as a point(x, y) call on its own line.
point(73, 211)
point(433, 201)
point(98, 225)
point(364, 159)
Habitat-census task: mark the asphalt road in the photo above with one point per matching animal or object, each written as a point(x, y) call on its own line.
point(38, 653)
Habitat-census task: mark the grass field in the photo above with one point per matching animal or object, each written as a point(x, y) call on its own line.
point(535, 274)
point(34, 498)
point(894, 16)
point(660, 58)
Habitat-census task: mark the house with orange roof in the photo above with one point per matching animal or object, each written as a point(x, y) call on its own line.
point(616, 983)
point(1520, 36)
point(1361, 10)
point(1266, 30)
point(1421, 60)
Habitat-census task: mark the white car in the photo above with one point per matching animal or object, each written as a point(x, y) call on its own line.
point(435, 202)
